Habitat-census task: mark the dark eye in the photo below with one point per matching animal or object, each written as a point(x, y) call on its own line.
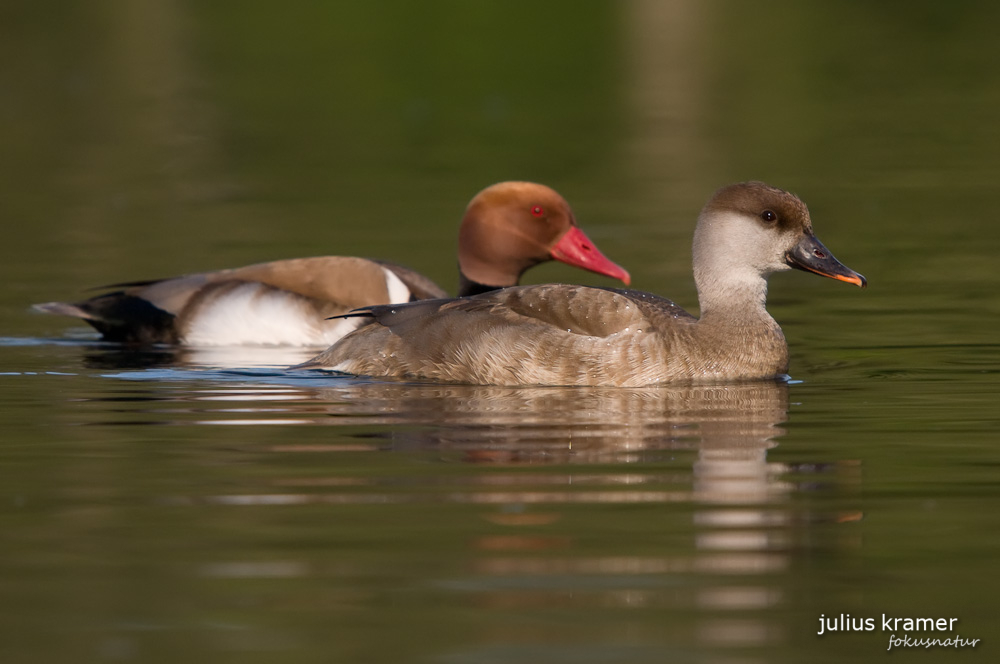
point(769, 216)
point(538, 211)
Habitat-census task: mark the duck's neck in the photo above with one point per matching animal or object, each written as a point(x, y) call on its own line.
point(732, 296)
point(728, 287)
point(467, 286)
point(740, 337)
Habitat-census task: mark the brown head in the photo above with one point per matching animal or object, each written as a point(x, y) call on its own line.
point(749, 230)
point(512, 226)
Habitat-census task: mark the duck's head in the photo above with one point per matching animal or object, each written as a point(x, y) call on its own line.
point(512, 226)
point(748, 230)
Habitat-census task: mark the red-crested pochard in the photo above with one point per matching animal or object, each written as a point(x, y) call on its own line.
point(507, 228)
point(559, 334)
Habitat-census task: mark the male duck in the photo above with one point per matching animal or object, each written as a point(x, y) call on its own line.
point(507, 228)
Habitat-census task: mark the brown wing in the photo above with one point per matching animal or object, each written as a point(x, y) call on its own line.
point(583, 310)
point(334, 283)
point(347, 280)
point(548, 334)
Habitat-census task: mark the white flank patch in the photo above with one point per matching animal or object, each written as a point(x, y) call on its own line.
point(255, 314)
point(398, 292)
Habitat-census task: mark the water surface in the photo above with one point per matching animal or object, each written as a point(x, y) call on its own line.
point(212, 506)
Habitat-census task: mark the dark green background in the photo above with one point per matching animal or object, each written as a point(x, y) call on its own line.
point(143, 139)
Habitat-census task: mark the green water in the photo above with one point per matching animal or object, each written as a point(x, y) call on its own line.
point(167, 507)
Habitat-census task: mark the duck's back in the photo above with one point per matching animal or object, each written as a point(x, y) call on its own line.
point(279, 302)
point(553, 334)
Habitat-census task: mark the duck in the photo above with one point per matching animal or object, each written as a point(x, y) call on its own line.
point(507, 228)
point(561, 334)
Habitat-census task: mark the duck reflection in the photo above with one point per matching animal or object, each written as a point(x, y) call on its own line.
point(729, 427)
point(704, 444)
point(108, 355)
point(702, 448)
point(532, 464)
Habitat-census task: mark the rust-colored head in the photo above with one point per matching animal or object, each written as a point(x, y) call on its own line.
point(512, 226)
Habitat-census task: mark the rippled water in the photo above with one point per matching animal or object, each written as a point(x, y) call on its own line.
point(210, 505)
point(174, 511)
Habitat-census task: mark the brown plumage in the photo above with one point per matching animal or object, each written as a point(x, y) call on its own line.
point(507, 228)
point(573, 335)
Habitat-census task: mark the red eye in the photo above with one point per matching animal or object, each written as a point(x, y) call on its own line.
point(538, 211)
